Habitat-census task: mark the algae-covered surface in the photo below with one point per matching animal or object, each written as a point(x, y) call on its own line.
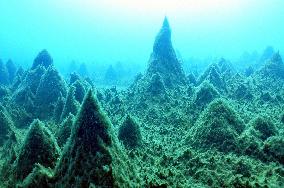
point(221, 128)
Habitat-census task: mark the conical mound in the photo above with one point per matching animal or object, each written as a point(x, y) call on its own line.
point(39, 147)
point(51, 86)
point(217, 127)
point(71, 104)
point(164, 60)
point(91, 155)
point(273, 68)
point(129, 133)
point(205, 93)
point(11, 68)
point(44, 59)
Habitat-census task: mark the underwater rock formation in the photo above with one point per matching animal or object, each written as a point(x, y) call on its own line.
point(205, 93)
point(92, 157)
point(43, 59)
point(39, 147)
point(64, 131)
point(32, 78)
point(51, 86)
point(12, 69)
point(270, 77)
point(274, 148)
point(73, 78)
point(80, 91)
point(156, 85)
point(5, 125)
point(129, 133)
point(164, 60)
point(212, 75)
point(71, 104)
point(217, 127)
point(264, 127)
point(191, 78)
point(58, 109)
point(110, 76)
point(274, 67)
point(4, 76)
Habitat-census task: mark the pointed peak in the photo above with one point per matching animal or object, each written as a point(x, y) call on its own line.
point(166, 23)
point(39, 147)
point(91, 124)
point(43, 58)
point(276, 57)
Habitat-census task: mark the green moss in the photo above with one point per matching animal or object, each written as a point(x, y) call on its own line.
point(156, 85)
point(129, 133)
point(71, 104)
point(11, 69)
point(51, 86)
point(5, 125)
point(43, 59)
point(79, 91)
point(274, 148)
point(39, 147)
point(205, 93)
point(92, 154)
point(217, 127)
point(64, 130)
point(264, 127)
point(164, 60)
point(58, 109)
point(32, 78)
point(38, 178)
point(282, 118)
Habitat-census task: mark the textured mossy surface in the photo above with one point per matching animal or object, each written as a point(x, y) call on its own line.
point(221, 128)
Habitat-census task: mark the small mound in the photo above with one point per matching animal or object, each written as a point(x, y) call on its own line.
point(212, 75)
point(129, 133)
point(205, 93)
point(12, 69)
point(44, 59)
point(39, 147)
point(156, 85)
point(264, 127)
point(79, 91)
point(217, 127)
point(64, 131)
point(274, 148)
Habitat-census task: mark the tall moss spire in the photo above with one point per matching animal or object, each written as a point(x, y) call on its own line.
point(92, 154)
point(163, 44)
point(164, 60)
